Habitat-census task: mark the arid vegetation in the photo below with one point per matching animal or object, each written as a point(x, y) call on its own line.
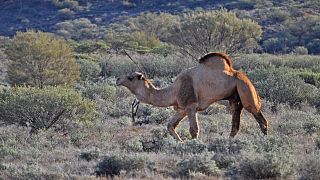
point(62, 117)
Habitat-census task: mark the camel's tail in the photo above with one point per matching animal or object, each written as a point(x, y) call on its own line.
point(248, 94)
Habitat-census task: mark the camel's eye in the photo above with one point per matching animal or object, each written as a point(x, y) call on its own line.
point(130, 78)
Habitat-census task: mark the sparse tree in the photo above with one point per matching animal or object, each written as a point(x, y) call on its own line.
point(39, 59)
point(153, 24)
point(202, 32)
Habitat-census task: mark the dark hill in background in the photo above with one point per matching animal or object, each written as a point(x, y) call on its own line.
point(19, 15)
point(287, 25)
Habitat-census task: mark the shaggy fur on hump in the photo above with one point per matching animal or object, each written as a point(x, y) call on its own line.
point(219, 54)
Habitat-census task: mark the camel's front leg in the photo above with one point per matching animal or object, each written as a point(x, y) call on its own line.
point(193, 121)
point(174, 122)
point(236, 109)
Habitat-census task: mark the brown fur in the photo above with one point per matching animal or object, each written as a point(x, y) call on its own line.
point(216, 54)
point(186, 93)
point(196, 88)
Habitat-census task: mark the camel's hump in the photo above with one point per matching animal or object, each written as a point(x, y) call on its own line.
point(216, 54)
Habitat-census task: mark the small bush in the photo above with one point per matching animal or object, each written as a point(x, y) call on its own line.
point(300, 50)
point(134, 145)
point(50, 107)
point(159, 115)
point(99, 90)
point(310, 168)
point(223, 160)
point(90, 155)
point(66, 13)
point(283, 85)
point(202, 164)
point(225, 146)
point(89, 70)
point(113, 164)
point(193, 146)
point(268, 165)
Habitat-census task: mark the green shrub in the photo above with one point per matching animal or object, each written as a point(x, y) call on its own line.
point(282, 85)
point(300, 50)
point(90, 46)
point(224, 160)
point(193, 146)
point(226, 146)
point(159, 115)
point(134, 145)
point(66, 13)
point(50, 107)
point(89, 70)
point(202, 164)
point(99, 90)
point(268, 165)
point(310, 167)
point(154, 65)
point(156, 141)
point(112, 165)
point(90, 154)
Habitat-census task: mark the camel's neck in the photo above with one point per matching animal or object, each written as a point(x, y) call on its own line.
point(158, 97)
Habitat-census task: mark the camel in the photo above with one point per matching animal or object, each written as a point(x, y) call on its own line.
point(196, 88)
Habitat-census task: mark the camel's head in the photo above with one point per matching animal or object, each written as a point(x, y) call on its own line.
point(132, 81)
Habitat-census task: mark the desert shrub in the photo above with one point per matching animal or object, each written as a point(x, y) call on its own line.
point(154, 65)
point(193, 146)
point(226, 146)
point(235, 35)
point(89, 46)
point(312, 124)
point(268, 165)
point(99, 90)
point(279, 15)
point(223, 160)
point(266, 61)
point(29, 171)
point(39, 59)
point(66, 13)
point(309, 77)
point(78, 29)
point(310, 167)
point(74, 5)
point(153, 24)
point(89, 70)
point(159, 115)
point(90, 154)
point(199, 163)
point(300, 50)
point(50, 107)
point(112, 165)
point(134, 145)
point(282, 85)
point(156, 141)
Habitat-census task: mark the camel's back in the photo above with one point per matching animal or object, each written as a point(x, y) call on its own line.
point(217, 61)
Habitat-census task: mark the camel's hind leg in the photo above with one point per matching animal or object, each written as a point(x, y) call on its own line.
point(263, 123)
point(236, 109)
point(174, 122)
point(251, 100)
